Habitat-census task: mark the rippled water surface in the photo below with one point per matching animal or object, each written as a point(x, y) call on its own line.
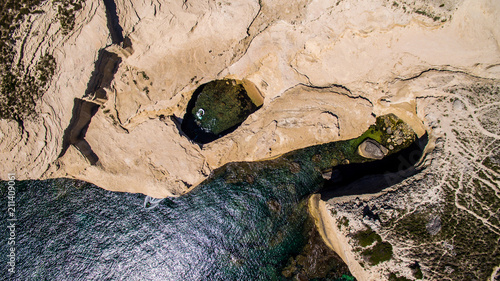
point(247, 221)
point(242, 224)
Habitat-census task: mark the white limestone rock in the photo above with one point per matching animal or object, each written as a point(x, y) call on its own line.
point(29, 151)
point(325, 69)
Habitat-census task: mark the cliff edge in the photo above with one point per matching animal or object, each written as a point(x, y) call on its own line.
point(124, 72)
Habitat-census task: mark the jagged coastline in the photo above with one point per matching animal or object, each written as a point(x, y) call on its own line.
point(126, 70)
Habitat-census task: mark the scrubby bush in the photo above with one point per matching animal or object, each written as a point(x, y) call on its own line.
point(66, 10)
point(380, 252)
point(20, 90)
point(367, 237)
point(20, 87)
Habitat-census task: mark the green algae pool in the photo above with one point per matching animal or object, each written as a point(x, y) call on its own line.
point(216, 109)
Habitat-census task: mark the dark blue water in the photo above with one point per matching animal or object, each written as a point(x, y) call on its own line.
point(244, 223)
point(247, 221)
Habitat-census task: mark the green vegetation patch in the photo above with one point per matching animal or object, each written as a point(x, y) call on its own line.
point(19, 91)
point(375, 253)
point(470, 241)
point(20, 87)
point(464, 248)
point(343, 221)
point(417, 272)
point(438, 13)
point(394, 277)
point(428, 14)
point(12, 15)
point(66, 10)
point(367, 237)
point(380, 252)
point(413, 226)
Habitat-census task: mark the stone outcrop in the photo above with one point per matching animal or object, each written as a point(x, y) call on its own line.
point(371, 149)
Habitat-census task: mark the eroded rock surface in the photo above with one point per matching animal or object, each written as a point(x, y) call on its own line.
point(325, 69)
point(30, 148)
point(300, 56)
point(446, 218)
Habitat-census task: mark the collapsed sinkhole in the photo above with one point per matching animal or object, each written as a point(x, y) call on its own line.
point(218, 107)
point(375, 176)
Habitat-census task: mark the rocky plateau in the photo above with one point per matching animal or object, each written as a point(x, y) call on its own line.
point(127, 69)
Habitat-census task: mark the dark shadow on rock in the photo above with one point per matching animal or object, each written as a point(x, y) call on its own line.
point(105, 69)
point(114, 27)
point(83, 111)
point(373, 177)
point(178, 125)
point(104, 72)
point(367, 212)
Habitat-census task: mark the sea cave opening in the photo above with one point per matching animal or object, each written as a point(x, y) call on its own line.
point(375, 176)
